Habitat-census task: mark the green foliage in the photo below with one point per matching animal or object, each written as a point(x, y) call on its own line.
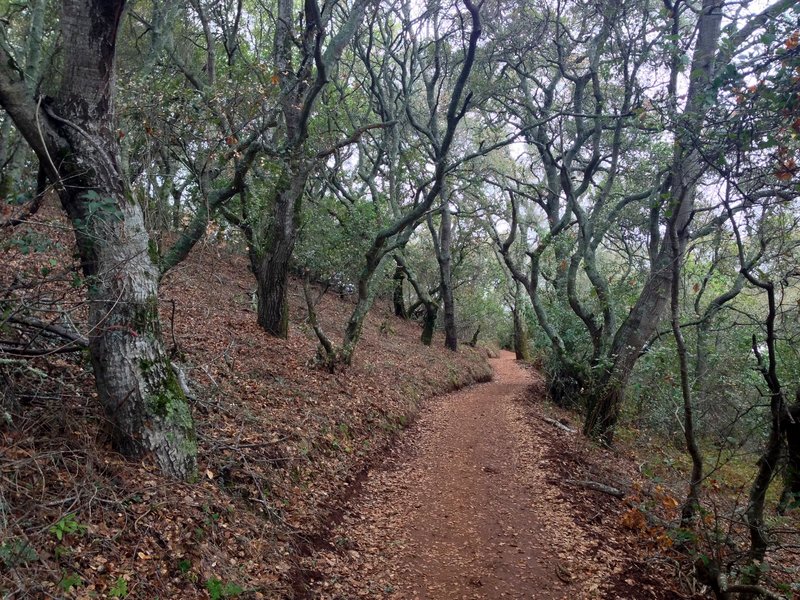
point(73, 580)
point(119, 589)
point(15, 552)
point(218, 590)
point(27, 241)
point(67, 525)
point(334, 239)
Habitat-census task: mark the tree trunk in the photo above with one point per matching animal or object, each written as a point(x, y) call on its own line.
point(429, 322)
point(692, 502)
point(300, 88)
point(431, 307)
point(273, 273)
point(521, 348)
point(605, 403)
point(146, 407)
point(754, 514)
point(13, 176)
point(6, 154)
point(603, 410)
point(398, 298)
point(445, 271)
point(768, 461)
point(520, 338)
point(144, 402)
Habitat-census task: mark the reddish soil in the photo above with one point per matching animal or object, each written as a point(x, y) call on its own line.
point(311, 487)
point(282, 443)
point(464, 510)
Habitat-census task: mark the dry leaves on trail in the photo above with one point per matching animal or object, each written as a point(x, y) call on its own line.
point(462, 510)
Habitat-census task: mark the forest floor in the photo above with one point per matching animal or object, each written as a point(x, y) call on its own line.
point(473, 503)
point(385, 481)
point(281, 441)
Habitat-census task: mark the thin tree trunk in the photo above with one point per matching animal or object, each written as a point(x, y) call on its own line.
point(6, 155)
point(770, 457)
point(13, 172)
point(445, 260)
point(521, 349)
point(430, 306)
point(692, 502)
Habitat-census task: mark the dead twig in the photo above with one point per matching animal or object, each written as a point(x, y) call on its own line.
point(597, 487)
point(559, 424)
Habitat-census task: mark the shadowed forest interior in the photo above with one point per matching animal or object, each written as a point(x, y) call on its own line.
point(252, 251)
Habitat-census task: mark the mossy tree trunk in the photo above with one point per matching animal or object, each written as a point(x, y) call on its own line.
point(398, 298)
point(75, 139)
point(429, 322)
point(442, 244)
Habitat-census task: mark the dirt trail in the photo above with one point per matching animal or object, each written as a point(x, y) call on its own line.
point(462, 510)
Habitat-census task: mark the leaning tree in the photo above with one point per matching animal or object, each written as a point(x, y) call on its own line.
point(74, 137)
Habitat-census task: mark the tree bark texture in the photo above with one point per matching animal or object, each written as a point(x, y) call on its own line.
point(398, 299)
point(273, 271)
point(521, 348)
point(76, 140)
point(445, 260)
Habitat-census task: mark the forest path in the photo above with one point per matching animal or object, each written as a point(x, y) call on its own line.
point(462, 509)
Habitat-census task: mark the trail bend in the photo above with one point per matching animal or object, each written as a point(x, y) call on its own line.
point(460, 510)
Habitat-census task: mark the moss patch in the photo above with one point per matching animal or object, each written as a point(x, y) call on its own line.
point(145, 317)
point(152, 251)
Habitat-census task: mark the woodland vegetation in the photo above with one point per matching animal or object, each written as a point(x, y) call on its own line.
point(608, 188)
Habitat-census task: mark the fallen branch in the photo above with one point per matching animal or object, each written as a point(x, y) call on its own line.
point(597, 487)
point(13, 351)
point(559, 424)
point(66, 333)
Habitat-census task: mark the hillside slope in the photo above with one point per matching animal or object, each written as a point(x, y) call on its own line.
point(281, 442)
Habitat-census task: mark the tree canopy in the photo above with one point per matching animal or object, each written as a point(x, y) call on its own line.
point(610, 188)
